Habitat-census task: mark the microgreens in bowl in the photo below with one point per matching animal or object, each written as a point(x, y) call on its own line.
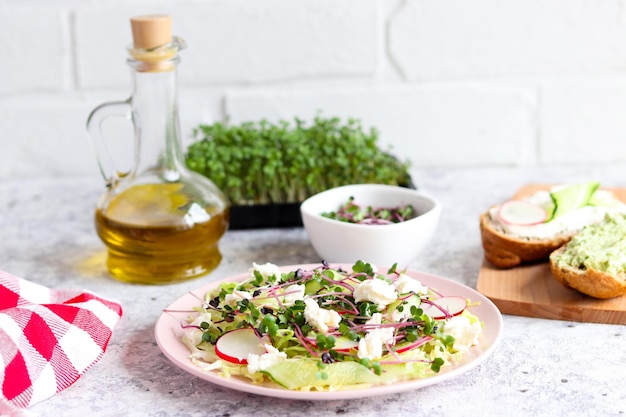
point(404, 226)
point(352, 212)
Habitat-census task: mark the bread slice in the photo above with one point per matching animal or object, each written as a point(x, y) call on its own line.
point(507, 251)
point(594, 283)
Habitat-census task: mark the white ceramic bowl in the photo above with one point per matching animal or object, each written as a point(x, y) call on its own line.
point(382, 245)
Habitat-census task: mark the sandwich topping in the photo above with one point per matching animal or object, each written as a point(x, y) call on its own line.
point(601, 246)
point(568, 209)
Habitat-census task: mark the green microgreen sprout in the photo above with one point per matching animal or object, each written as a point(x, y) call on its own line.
point(324, 342)
point(321, 374)
point(436, 364)
point(364, 268)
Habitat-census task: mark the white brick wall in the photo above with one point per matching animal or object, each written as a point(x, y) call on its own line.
point(447, 82)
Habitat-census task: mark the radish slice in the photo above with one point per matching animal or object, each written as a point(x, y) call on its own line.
point(445, 307)
point(521, 212)
point(236, 345)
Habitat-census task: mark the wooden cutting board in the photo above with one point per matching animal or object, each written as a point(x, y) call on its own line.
point(532, 291)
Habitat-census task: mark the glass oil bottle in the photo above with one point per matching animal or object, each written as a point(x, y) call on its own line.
point(161, 222)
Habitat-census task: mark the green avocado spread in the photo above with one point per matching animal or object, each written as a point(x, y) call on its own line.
point(600, 246)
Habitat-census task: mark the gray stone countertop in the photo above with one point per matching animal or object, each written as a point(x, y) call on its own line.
point(541, 367)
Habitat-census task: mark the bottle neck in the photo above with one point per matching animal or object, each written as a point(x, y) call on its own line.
point(154, 105)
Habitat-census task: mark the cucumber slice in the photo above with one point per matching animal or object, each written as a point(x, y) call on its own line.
point(604, 199)
point(572, 197)
point(305, 373)
point(299, 373)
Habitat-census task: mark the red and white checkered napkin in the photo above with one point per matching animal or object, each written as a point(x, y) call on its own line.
point(48, 339)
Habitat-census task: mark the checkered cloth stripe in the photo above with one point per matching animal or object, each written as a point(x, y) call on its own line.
point(48, 339)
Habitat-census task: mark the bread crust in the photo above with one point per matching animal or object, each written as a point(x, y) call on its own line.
point(506, 251)
point(591, 282)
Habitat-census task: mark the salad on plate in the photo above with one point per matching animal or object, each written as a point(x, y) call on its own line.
point(329, 327)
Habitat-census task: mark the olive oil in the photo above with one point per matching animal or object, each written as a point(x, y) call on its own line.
point(156, 234)
point(160, 222)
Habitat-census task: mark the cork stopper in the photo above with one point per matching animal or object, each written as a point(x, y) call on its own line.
point(151, 31)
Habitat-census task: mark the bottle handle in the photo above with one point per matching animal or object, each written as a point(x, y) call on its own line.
point(95, 120)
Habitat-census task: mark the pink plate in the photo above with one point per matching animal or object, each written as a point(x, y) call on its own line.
point(168, 333)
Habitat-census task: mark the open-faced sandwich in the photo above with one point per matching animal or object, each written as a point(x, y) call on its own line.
point(528, 230)
point(594, 260)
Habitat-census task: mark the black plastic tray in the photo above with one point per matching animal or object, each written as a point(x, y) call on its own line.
point(264, 216)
